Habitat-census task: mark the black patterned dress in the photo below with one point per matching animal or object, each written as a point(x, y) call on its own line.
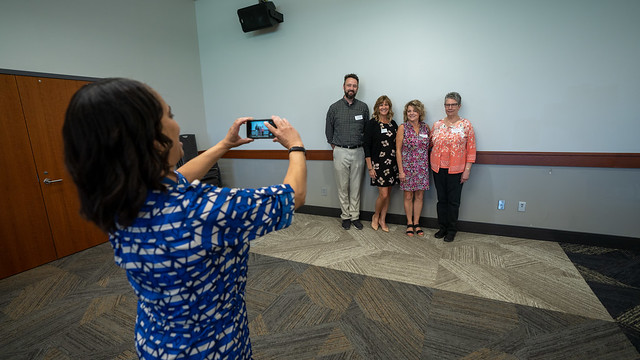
point(380, 146)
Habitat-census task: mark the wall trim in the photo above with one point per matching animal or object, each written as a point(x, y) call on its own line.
point(47, 75)
point(569, 159)
point(572, 237)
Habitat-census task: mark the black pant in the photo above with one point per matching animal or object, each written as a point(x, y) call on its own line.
point(449, 190)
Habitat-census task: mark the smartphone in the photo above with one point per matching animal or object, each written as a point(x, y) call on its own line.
point(256, 129)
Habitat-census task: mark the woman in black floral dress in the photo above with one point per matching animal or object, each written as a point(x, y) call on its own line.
point(380, 155)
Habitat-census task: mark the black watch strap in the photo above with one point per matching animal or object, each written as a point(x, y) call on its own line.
point(298, 148)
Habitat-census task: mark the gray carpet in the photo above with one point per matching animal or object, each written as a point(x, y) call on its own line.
point(353, 302)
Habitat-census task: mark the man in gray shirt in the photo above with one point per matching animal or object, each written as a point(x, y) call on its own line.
point(344, 129)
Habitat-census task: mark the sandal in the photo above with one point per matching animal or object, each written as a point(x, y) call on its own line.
point(409, 232)
point(419, 232)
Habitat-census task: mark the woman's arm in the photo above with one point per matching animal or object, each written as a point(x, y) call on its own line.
point(368, 140)
point(296, 175)
point(470, 154)
point(285, 134)
point(399, 139)
point(197, 167)
point(370, 169)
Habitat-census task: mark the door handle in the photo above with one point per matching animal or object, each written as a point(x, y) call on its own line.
point(49, 181)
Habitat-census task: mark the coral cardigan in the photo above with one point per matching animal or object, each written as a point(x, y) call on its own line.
point(453, 146)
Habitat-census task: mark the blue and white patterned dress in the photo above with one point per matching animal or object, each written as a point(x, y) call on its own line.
point(186, 258)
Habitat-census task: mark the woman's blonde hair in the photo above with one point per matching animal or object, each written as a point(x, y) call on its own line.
point(376, 108)
point(419, 106)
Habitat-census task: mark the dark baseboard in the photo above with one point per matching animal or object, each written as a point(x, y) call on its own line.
point(572, 237)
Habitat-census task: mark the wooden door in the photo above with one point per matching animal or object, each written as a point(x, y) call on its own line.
point(24, 229)
point(44, 103)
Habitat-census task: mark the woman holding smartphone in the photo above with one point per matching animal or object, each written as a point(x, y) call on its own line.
point(183, 244)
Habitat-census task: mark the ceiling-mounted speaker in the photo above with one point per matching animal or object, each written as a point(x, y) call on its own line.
point(260, 16)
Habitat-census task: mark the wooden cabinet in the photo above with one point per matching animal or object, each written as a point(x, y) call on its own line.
point(39, 219)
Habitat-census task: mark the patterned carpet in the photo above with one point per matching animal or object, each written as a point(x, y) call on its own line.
point(614, 277)
point(358, 305)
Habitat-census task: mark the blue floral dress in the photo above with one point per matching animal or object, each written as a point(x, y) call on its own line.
point(415, 158)
point(186, 258)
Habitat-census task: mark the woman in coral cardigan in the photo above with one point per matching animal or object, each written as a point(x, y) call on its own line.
point(453, 153)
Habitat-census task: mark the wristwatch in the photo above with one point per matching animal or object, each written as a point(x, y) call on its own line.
point(298, 148)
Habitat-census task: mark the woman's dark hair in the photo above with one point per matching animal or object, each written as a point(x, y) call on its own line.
point(114, 149)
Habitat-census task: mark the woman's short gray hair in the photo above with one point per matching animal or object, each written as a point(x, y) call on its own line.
point(454, 96)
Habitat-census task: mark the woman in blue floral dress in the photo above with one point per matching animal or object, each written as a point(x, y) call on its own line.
point(412, 143)
point(184, 244)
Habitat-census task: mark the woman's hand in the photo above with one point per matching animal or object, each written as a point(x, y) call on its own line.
point(402, 176)
point(233, 139)
point(198, 166)
point(285, 134)
point(465, 175)
point(372, 173)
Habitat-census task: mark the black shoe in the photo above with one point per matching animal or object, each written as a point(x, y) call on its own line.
point(440, 234)
point(449, 237)
point(357, 224)
point(410, 230)
point(346, 224)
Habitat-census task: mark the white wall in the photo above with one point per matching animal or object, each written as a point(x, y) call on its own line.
point(154, 41)
point(534, 76)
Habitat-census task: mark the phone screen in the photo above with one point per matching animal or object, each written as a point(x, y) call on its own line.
point(256, 129)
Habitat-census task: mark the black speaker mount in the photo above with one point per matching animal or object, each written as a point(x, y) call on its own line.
point(260, 16)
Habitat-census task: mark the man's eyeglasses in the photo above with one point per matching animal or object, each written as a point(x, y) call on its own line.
point(451, 105)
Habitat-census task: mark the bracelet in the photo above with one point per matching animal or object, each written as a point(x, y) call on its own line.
point(298, 148)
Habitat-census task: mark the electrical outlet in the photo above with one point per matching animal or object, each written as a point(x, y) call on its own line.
point(522, 205)
point(323, 191)
point(500, 204)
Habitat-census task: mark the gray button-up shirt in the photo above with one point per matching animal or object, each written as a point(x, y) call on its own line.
point(345, 123)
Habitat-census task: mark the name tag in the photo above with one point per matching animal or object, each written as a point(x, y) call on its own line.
point(358, 117)
point(456, 131)
point(424, 135)
point(383, 131)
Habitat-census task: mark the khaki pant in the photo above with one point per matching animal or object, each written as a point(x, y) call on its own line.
point(348, 166)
